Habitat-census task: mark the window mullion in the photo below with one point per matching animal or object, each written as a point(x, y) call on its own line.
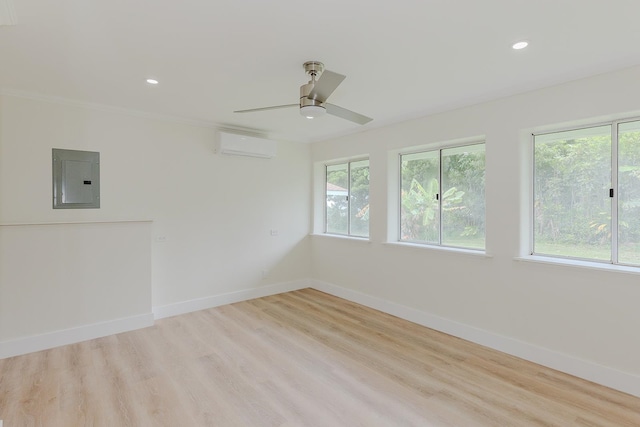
point(616, 191)
point(440, 197)
point(326, 196)
point(399, 222)
point(532, 199)
point(349, 199)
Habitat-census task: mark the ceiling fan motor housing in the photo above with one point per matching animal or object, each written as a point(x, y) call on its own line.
point(305, 90)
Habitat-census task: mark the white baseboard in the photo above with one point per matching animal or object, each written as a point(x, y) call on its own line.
point(183, 307)
point(73, 335)
point(97, 330)
point(587, 370)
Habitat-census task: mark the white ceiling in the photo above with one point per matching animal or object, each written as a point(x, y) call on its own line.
point(402, 59)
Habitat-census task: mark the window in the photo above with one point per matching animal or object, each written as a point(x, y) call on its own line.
point(587, 193)
point(442, 197)
point(347, 199)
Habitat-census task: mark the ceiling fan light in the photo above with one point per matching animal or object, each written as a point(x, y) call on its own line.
point(312, 111)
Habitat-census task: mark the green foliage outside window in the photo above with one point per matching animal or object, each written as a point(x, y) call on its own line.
point(573, 210)
point(451, 214)
point(347, 203)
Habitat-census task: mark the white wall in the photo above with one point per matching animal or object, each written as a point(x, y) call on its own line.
point(211, 214)
point(588, 315)
point(61, 277)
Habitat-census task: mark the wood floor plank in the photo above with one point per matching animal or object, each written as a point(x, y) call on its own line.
point(302, 358)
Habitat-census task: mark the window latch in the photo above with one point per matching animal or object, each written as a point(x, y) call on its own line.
point(437, 196)
point(611, 192)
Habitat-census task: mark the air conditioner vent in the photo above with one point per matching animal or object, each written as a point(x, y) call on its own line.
point(244, 145)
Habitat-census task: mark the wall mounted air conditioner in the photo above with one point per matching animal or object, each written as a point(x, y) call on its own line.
point(244, 145)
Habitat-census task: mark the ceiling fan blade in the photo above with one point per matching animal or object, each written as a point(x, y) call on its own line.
point(275, 107)
point(326, 84)
point(347, 114)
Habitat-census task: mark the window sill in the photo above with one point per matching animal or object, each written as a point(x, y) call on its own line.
point(462, 251)
point(601, 266)
point(342, 237)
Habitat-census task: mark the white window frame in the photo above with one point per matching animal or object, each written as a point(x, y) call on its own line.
point(614, 124)
point(438, 149)
point(325, 220)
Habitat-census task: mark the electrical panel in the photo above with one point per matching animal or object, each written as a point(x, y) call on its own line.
point(76, 179)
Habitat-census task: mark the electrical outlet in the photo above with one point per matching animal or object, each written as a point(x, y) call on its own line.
point(265, 273)
point(274, 232)
point(159, 239)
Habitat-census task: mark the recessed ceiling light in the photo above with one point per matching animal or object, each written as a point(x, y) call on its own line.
point(520, 45)
point(152, 81)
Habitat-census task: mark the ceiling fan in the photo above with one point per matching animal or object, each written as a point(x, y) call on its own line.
point(313, 96)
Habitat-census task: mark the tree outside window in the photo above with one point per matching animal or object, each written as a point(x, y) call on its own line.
point(442, 197)
point(587, 199)
point(347, 198)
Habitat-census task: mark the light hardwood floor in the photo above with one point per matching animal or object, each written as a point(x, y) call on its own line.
point(303, 358)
